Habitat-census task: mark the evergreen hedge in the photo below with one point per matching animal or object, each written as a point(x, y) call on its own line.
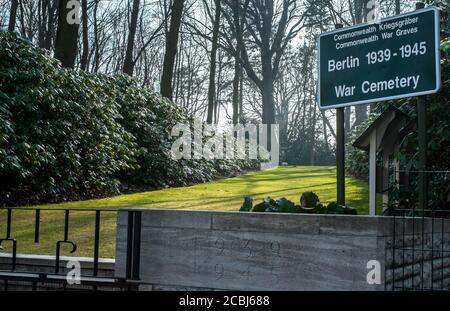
point(68, 135)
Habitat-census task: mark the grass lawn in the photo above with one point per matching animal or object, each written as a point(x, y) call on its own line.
point(225, 195)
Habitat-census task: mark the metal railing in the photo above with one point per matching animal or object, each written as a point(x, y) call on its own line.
point(419, 258)
point(93, 279)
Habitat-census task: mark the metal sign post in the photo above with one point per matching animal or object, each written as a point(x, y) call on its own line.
point(422, 129)
point(340, 151)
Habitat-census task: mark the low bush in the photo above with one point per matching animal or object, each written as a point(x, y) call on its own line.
point(309, 204)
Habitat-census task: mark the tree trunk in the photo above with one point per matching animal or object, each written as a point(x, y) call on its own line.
point(347, 126)
point(43, 17)
point(268, 113)
point(397, 7)
point(325, 135)
point(241, 96)
point(66, 36)
point(96, 40)
point(171, 48)
point(216, 101)
point(267, 90)
point(312, 138)
point(358, 7)
point(180, 73)
point(212, 71)
point(84, 57)
point(22, 20)
point(128, 66)
point(268, 102)
point(268, 116)
point(50, 24)
point(360, 114)
point(13, 15)
point(236, 83)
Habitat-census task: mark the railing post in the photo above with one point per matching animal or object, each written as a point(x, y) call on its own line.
point(133, 245)
point(37, 224)
point(12, 240)
point(8, 224)
point(96, 241)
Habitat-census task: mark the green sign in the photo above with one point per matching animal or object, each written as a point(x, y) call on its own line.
point(393, 58)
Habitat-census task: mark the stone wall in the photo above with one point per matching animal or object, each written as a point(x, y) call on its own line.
point(260, 251)
point(195, 250)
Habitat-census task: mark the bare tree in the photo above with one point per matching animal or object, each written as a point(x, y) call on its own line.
point(51, 6)
point(397, 7)
point(238, 76)
point(212, 71)
point(85, 55)
point(13, 15)
point(66, 36)
point(128, 66)
point(271, 25)
point(96, 39)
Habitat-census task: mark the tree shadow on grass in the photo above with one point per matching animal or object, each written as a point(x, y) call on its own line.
point(217, 199)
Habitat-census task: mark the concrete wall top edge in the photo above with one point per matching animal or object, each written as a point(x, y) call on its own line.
point(259, 222)
point(343, 225)
point(169, 210)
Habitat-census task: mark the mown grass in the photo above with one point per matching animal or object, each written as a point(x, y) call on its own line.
point(224, 195)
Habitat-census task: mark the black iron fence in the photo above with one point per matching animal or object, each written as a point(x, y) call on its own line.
point(420, 252)
point(10, 243)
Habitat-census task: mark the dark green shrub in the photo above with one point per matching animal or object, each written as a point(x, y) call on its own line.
point(283, 205)
point(248, 204)
point(270, 205)
point(73, 135)
point(309, 200)
point(267, 205)
point(318, 209)
point(334, 208)
point(59, 131)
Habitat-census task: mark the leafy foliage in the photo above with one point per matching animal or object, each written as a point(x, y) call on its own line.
point(309, 205)
point(334, 208)
point(70, 135)
point(357, 160)
point(309, 199)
